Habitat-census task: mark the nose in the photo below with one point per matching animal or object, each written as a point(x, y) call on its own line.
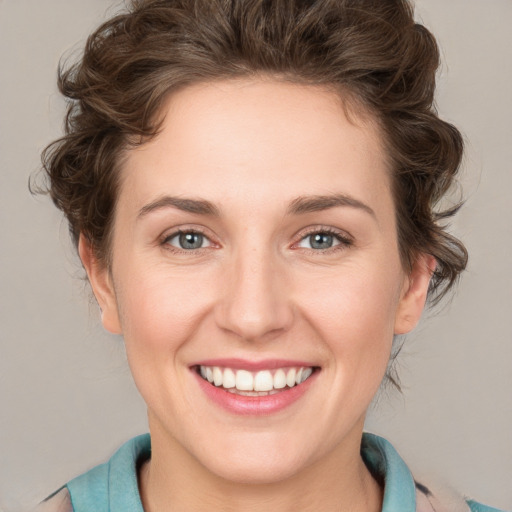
point(255, 301)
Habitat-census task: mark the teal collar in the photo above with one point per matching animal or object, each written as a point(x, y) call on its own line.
point(113, 487)
point(388, 467)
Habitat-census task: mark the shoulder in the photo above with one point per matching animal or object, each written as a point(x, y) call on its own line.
point(478, 507)
point(401, 491)
point(112, 485)
point(57, 502)
point(445, 499)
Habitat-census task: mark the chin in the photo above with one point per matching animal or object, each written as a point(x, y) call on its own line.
point(254, 462)
point(260, 471)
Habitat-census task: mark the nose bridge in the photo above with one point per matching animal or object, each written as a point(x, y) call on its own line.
point(255, 299)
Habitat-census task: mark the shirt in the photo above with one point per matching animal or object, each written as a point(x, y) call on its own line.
point(113, 486)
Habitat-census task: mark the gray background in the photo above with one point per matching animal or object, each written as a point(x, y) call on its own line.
point(66, 396)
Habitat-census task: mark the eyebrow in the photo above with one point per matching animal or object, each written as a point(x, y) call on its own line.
point(198, 206)
point(299, 206)
point(309, 204)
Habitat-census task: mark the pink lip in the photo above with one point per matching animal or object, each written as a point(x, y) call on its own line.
point(254, 405)
point(253, 366)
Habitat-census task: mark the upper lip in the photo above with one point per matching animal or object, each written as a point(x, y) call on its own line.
point(254, 366)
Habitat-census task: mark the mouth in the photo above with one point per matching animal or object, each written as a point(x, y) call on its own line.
point(264, 382)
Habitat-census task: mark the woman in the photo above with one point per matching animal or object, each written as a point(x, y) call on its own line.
point(252, 190)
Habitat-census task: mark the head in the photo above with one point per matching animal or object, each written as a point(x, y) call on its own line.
point(360, 73)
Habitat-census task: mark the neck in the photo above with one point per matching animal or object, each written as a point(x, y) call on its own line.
point(173, 480)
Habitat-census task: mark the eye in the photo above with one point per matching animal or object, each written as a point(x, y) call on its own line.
point(322, 240)
point(188, 240)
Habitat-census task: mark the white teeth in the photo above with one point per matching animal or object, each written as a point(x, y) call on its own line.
point(229, 379)
point(279, 379)
point(255, 383)
point(306, 373)
point(235, 391)
point(217, 376)
point(244, 380)
point(263, 381)
point(290, 378)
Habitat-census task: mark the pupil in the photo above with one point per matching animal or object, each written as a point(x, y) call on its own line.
point(191, 240)
point(321, 241)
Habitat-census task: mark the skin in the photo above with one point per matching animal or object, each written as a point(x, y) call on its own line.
point(255, 290)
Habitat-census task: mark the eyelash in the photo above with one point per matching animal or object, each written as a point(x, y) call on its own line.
point(344, 240)
point(193, 231)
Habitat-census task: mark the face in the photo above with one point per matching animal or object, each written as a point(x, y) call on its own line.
point(255, 243)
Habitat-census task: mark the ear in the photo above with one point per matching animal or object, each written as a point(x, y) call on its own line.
point(414, 294)
point(102, 286)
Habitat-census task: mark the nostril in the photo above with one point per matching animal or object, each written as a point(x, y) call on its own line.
point(255, 322)
point(253, 302)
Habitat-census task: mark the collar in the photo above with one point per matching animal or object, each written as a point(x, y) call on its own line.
point(388, 467)
point(113, 487)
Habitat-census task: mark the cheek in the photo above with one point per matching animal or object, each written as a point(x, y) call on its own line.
point(354, 312)
point(160, 313)
point(160, 309)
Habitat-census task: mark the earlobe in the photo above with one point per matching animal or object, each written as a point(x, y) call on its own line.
point(414, 294)
point(102, 287)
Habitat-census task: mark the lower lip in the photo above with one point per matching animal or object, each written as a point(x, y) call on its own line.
point(254, 405)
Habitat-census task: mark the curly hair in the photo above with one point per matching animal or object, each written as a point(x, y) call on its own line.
point(371, 51)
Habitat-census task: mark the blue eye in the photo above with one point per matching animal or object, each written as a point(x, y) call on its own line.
point(322, 240)
point(188, 240)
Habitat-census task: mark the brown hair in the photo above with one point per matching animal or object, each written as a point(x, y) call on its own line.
point(371, 49)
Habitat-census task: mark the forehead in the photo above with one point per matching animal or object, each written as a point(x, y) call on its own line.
point(266, 137)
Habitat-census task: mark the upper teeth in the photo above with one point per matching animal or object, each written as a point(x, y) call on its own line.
point(264, 380)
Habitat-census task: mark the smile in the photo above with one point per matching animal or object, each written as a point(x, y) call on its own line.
point(258, 383)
